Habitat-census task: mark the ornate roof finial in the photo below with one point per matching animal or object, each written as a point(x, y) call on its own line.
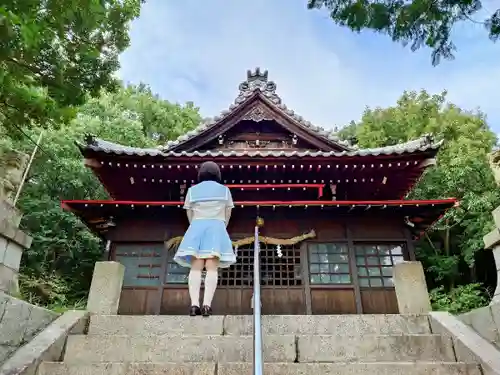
point(256, 75)
point(90, 139)
point(257, 81)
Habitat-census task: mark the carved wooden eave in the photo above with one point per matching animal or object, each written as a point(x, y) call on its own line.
point(258, 101)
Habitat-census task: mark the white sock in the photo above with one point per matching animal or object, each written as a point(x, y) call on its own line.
point(194, 284)
point(211, 278)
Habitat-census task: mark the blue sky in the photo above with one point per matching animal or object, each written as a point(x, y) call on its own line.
point(199, 51)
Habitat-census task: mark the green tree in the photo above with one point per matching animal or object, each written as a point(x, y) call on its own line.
point(54, 53)
point(417, 22)
point(462, 172)
point(57, 269)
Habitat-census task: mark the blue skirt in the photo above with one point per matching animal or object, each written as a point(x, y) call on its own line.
point(206, 238)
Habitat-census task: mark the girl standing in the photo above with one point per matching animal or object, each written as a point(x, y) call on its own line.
point(206, 243)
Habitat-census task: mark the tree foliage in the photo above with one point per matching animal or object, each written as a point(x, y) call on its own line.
point(418, 22)
point(53, 53)
point(57, 269)
point(462, 172)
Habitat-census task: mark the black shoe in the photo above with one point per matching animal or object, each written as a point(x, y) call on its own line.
point(194, 310)
point(206, 311)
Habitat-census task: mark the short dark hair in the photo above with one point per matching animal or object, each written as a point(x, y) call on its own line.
point(209, 171)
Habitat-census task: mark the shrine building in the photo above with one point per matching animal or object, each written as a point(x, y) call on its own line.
point(336, 213)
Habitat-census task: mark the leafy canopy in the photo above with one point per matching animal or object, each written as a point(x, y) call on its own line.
point(55, 52)
point(462, 172)
point(57, 269)
point(419, 22)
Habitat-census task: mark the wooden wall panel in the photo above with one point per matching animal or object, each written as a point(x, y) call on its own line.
point(377, 227)
point(281, 224)
point(233, 301)
point(175, 301)
point(286, 301)
point(379, 301)
point(277, 224)
point(237, 301)
point(135, 301)
point(333, 301)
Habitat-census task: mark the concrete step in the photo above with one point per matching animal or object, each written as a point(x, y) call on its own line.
point(379, 368)
point(277, 348)
point(271, 324)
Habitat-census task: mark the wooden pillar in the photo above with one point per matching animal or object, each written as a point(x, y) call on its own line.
point(354, 271)
point(305, 277)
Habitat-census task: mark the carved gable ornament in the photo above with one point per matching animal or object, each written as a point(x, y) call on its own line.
point(258, 113)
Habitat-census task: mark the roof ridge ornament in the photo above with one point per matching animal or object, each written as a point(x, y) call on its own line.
point(90, 139)
point(257, 80)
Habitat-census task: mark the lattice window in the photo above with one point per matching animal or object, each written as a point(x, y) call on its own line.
point(375, 263)
point(175, 274)
point(329, 263)
point(142, 263)
point(275, 271)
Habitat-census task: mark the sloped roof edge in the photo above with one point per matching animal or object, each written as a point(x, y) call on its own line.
point(425, 143)
point(257, 83)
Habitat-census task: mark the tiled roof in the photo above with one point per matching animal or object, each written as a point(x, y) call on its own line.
point(425, 143)
point(257, 82)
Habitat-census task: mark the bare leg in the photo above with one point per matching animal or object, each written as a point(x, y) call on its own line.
point(194, 284)
point(211, 265)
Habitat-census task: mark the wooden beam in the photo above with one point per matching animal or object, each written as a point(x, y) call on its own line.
point(91, 163)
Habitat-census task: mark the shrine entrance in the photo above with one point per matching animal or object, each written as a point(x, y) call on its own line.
point(282, 283)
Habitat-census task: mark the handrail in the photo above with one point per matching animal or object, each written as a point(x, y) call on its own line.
point(257, 327)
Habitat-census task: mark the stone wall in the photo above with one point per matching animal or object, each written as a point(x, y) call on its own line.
point(485, 321)
point(19, 323)
point(13, 242)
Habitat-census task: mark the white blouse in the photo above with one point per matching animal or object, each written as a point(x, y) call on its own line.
point(204, 208)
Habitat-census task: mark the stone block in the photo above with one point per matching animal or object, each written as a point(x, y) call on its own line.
point(496, 216)
point(9, 280)
point(469, 345)
point(12, 244)
point(330, 348)
point(495, 314)
point(106, 288)
point(12, 256)
point(175, 348)
point(5, 352)
point(349, 325)
point(154, 325)
point(4, 299)
point(496, 293)
point(55, 368)
point(492, 239)
point(48, 345)
point(3, 247)
point(396, 368)
point(13, 323)
point(38, 320)
point(205, 368)
point(411, 288)
point(481, 320)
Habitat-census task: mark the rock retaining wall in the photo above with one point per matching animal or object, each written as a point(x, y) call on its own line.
point(19, 323)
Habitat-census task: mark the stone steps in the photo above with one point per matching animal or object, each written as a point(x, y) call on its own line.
point(277, 348)
point(271, 324)
point(379, 368)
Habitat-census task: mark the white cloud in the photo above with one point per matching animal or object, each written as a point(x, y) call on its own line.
point(200, 51)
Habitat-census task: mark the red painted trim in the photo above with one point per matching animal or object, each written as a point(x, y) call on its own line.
point(274, 203)
point(278, 186)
